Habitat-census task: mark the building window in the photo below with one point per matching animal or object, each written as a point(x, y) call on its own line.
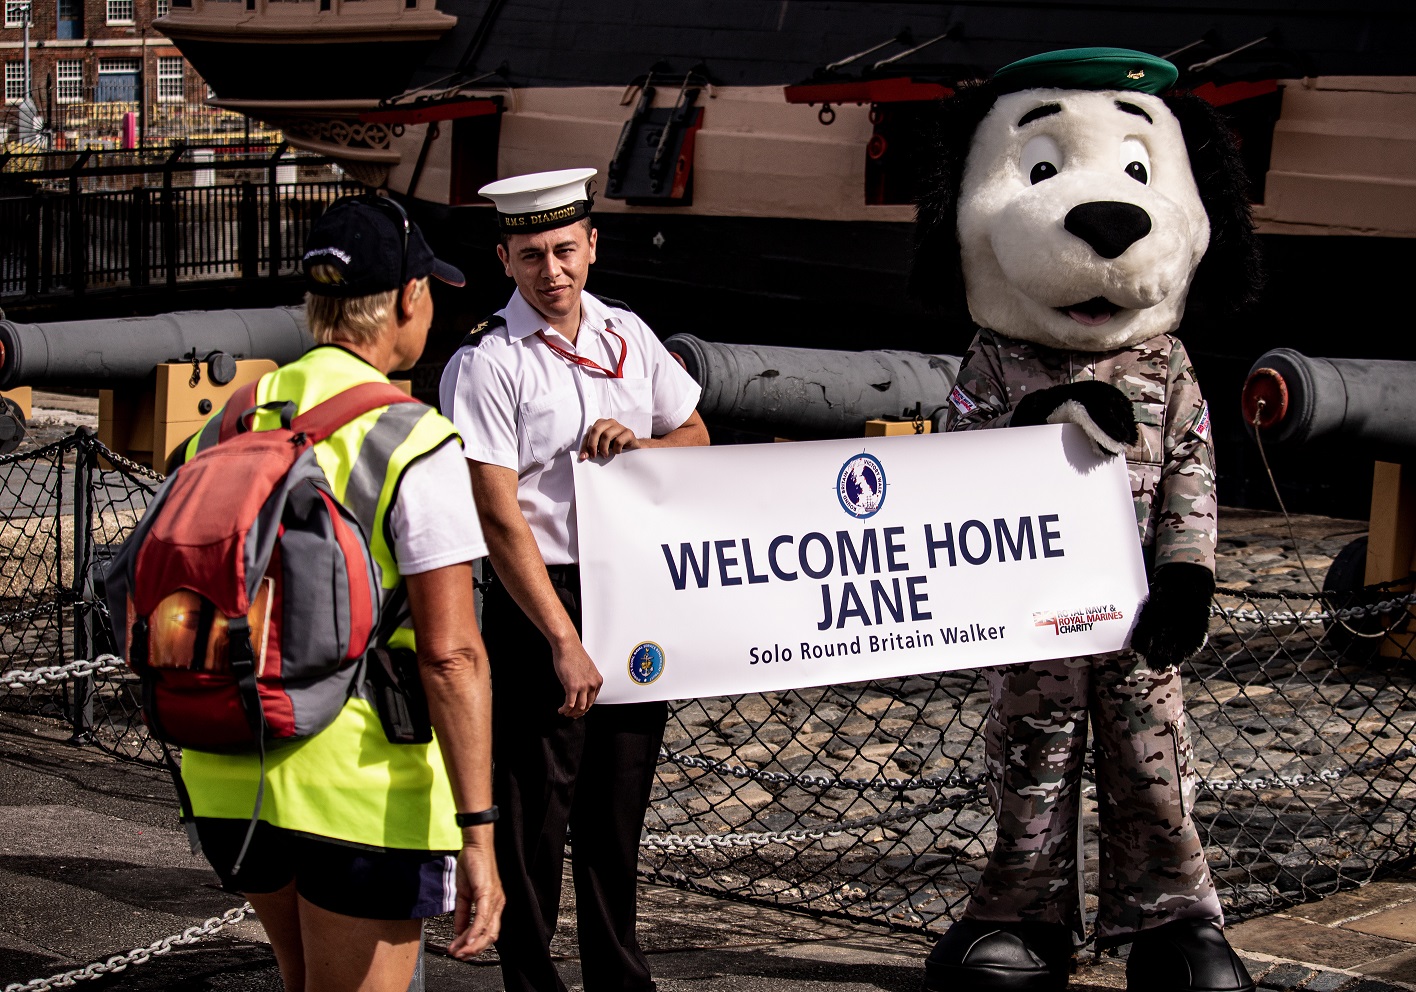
point(15, 88)
point(163, 7)
point(15, 11)
point(120, 11)
point(117, 80)
point(69, 80)
point(70, 21)
point(169, 79)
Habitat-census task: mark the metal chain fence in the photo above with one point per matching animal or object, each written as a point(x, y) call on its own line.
point(862, 800)
point(138, 955)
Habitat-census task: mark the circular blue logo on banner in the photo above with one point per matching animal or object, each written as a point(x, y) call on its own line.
point(646, 662)
point(861, 485)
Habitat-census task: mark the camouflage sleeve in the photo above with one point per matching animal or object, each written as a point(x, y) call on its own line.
point(1186, 522)
point(979, 398)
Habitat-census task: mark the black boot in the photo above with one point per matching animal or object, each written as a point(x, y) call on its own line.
point(1185, 956)
point(981, 956)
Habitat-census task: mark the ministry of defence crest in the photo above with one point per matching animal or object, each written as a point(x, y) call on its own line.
point(646, 662)
point(861, 485)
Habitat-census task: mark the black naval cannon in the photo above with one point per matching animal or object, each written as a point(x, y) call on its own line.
point(1297, 399)
point(1290, 399)
point(806, 393)
point(159, 377)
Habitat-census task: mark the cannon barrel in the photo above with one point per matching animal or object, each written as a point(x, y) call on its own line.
point(810, 393)
point(106, 352)
point(1298, 399)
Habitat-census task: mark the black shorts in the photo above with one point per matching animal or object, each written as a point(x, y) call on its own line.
point(369, 883)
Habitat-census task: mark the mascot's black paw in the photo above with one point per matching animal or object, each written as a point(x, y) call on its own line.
point(1098, 408)
point(1185, 956)
point(981, 956)
point(1175, 618)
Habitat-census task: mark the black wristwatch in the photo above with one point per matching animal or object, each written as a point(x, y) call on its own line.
point(488, 815)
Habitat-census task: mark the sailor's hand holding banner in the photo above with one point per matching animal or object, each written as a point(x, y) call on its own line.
point(749, 568)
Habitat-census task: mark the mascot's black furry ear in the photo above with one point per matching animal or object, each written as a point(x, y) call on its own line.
point(1230, 275)
point(936, 273)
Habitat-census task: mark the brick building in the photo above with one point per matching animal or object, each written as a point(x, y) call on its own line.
point(91, 62)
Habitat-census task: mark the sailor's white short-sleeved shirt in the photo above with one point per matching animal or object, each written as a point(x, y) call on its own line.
point(521, 405)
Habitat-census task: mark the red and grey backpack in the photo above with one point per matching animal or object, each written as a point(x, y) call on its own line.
point(247, 598)
point(247, 595)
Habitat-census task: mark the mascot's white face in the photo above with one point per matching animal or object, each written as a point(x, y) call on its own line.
point(1079, 219)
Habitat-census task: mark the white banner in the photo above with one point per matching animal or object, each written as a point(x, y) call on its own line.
point(749, 568)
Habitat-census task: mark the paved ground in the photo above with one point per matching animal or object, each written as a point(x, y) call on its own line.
point(93, 864)
point(55, 415)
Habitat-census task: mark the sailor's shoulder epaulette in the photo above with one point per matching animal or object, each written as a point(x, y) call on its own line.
point(479, 333)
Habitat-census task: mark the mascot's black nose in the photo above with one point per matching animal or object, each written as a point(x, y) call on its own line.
point(1109, 226)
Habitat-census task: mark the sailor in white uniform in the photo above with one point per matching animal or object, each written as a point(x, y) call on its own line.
point(559, 375)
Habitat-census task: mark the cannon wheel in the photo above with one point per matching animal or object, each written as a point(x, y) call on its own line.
point(1344, 588)
point(12, 425)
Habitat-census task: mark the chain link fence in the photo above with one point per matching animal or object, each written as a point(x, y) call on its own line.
point(862, 800)
point(67, 506)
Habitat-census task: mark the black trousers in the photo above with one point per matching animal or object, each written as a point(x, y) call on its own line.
point(592, 775)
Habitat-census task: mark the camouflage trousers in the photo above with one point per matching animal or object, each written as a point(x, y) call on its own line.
point(1152, 866)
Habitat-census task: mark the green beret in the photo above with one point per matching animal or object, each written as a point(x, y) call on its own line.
point(1088, 69)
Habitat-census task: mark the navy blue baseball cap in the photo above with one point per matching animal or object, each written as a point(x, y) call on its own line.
point(366, 245)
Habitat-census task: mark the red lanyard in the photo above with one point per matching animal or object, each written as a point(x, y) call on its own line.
point(586, 363)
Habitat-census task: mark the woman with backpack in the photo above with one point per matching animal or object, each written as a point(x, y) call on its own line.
point(371, 824)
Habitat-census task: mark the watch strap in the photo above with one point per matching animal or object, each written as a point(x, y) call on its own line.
point(488, 815)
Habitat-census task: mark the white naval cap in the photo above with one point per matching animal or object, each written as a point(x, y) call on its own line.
point(540, 201)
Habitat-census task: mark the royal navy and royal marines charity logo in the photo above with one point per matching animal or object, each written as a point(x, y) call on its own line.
point(646, 662)
point(1077, 621)
point(860, 485)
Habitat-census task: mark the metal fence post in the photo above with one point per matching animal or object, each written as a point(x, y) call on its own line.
point(273, 208)
point(169, 216)
point(81, 710)
point(78, 248)
point(138, 238)
point(248, 227)
point(34, 225)
point(46, 241)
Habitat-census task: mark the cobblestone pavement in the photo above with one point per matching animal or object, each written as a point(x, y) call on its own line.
point(1257, 553)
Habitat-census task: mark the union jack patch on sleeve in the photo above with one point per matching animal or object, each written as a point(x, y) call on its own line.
point(1201, 429)
point(962, 401)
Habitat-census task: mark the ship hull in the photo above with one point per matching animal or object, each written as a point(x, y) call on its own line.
point(789, 221)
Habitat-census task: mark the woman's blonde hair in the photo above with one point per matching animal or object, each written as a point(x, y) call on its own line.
point(356, 319)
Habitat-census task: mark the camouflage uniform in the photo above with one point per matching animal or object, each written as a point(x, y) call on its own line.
point(1152, 865)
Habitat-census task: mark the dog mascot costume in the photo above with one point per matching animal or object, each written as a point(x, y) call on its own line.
point(1081, 216)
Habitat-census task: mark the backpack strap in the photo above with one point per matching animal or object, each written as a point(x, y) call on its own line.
point(319, 422)
point(242, 400)
point(316, 423)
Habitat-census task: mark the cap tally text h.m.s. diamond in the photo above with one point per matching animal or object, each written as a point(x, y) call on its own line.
point(540, 201)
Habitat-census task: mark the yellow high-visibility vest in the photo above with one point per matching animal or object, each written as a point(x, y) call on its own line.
point(347, 782)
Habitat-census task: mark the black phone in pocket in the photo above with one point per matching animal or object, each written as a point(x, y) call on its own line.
point(398, 695)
